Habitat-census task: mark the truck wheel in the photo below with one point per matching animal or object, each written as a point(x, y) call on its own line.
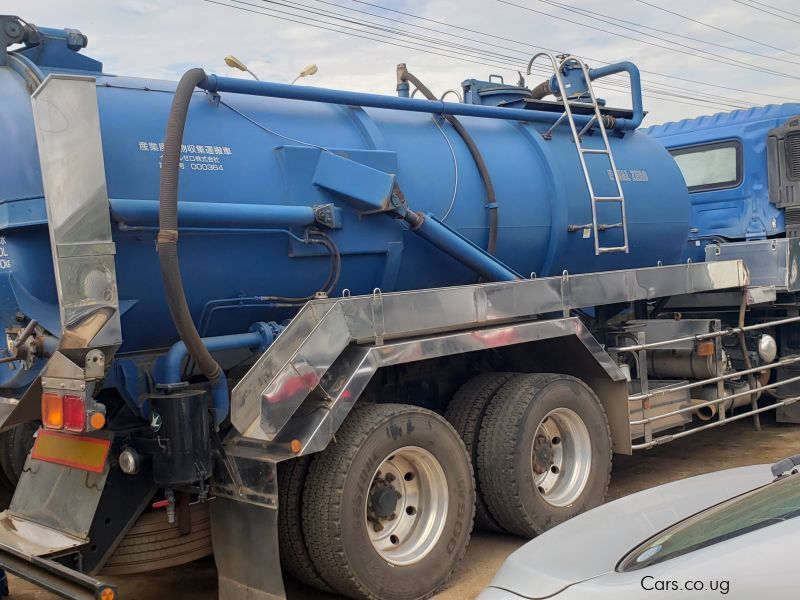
point(153, 543)
point(465, 413)
point(388, 506)
point(293, 551)
point(544, 453)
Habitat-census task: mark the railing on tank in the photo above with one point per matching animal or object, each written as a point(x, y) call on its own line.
point(646, 395)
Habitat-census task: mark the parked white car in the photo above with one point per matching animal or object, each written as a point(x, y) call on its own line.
point(732, 534)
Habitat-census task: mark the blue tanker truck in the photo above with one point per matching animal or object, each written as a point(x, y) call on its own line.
point(329, 330)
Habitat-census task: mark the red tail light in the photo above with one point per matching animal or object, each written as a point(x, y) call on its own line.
point(74, 412)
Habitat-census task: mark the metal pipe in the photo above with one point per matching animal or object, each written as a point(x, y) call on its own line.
point(213, 214)
point(668, 438)
point(636, 90)
point(177, 354)
point(551, 85)
point(751, 381)
point(215, 83)
point(715, 401)
point(175, 357)
point(706, 413)
point(694, 384)
point(451, 242)
point(705, 336)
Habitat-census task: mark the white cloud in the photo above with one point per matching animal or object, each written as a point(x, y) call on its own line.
point(161, 38)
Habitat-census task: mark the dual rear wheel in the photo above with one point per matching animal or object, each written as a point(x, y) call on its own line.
point(543, 452)
point(386, 510)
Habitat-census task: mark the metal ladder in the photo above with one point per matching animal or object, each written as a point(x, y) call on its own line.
point(582, 152)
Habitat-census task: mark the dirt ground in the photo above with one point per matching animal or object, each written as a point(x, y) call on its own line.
point(737, 444)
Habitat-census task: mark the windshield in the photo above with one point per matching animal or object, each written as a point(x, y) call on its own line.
point(759, 508)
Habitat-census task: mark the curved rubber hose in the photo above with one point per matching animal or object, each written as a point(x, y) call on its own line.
point(541, 91)
point(167, 242)
point(491, 198)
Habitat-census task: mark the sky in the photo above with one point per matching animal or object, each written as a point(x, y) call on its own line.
point(461, 39)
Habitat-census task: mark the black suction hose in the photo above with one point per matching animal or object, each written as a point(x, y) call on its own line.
point(167, 241)
point(316, 237)
point(491, 198)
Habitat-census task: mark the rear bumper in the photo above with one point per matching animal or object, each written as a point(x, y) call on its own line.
point(56, 578)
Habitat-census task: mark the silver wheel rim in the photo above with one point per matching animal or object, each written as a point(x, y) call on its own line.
point(561, 458)
point(406, 507)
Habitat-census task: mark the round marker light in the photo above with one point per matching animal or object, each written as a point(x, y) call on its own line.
point(129, 461)
point(97, 420)
point(108, 594)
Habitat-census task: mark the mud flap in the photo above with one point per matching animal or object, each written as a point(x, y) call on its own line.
point(49, 519)
point(245, 538)
point(244, 525)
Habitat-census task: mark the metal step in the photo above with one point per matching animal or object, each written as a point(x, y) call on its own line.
point(594, 150)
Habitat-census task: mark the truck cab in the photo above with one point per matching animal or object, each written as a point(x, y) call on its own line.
point(732, 167)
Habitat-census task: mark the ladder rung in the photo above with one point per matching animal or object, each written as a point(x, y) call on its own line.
point(609, 198)
point(603, 249)
point(594, 151)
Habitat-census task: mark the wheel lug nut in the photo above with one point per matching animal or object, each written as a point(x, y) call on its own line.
point(392, 517)
point(377, 527)
point(390, 477)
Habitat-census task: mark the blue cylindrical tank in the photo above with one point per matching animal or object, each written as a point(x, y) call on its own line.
point(255, 150)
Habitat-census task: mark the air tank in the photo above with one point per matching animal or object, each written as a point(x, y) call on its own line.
point(244, 149)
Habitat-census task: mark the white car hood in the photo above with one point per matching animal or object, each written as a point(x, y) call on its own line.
point(592, 544)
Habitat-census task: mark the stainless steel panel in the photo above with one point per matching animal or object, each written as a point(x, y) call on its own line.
point(73, 173)
point(246, 475)
point(762, 294)
point(315, 425)
point(770, 262)
point(667, 401)
point(246, 397)
point(283, 377)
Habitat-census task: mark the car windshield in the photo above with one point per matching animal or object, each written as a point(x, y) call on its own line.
point(770, 504)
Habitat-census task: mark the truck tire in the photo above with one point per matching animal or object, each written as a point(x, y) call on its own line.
point(388, 506)
point(153, 543)
point(544, 453)
point(465, 413)
point(293, 551)
point(15, 445)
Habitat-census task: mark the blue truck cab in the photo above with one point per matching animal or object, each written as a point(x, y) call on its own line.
point(742, 170)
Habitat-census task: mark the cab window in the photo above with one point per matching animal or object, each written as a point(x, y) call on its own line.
point(707, 167)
